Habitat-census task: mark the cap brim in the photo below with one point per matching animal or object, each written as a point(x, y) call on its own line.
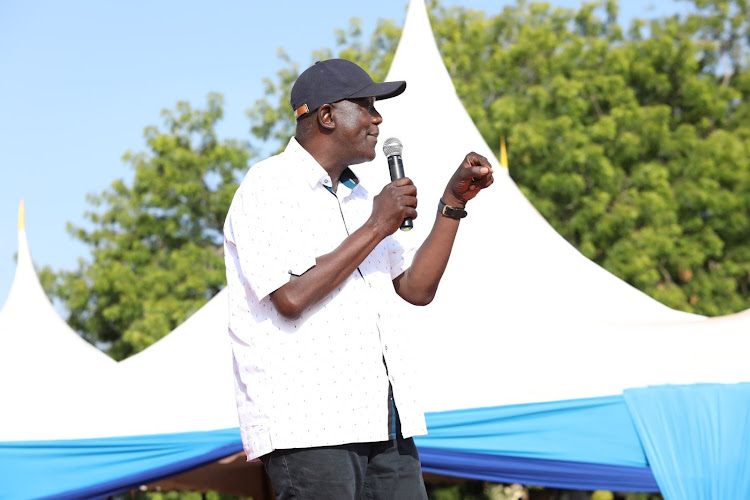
point(380, 91)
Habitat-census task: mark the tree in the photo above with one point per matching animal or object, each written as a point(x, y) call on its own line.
point(156, 243)
point(633, 144)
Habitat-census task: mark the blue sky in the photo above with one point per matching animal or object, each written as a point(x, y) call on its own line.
point(81, 79)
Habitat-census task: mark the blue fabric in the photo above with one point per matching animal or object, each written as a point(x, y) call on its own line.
point(96, 468)
point(576, 444)
point(696, 437)
point(537, 472)
point(593, 430)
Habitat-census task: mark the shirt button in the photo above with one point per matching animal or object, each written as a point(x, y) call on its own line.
point(386, 348)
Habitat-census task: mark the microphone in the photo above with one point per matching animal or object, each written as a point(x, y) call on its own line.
point(392, 149)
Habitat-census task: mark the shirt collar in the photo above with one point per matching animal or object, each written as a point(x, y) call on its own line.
point(312, 172)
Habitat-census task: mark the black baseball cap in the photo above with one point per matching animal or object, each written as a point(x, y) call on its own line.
point(334, 80)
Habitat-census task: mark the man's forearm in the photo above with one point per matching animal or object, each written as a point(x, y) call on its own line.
point(329, 272)
point(394, 203)
point(418, 284)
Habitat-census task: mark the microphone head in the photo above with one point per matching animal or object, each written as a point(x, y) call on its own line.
point(392, 147)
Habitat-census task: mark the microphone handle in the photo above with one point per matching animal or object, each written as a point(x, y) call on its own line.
point(396, 169)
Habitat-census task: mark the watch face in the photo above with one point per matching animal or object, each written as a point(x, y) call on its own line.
point(454, 213)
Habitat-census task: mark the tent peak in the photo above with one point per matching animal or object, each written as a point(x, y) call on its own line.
point(503, 153)
point(21, 222)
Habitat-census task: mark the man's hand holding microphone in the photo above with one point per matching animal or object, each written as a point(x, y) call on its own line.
point(395, 206)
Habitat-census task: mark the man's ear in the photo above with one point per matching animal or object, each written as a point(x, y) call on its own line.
point(325, 117)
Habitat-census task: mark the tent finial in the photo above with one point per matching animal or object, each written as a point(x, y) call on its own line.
point(21, 222)
point(503, 153)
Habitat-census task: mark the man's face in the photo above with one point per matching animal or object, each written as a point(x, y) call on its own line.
point(357, 123)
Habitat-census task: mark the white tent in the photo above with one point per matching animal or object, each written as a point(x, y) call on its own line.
point(519, 278)
point(49, 375)
point(187, 375)
point(525, 327)
point(530, 358)
point(77, 423)
point(46, 368)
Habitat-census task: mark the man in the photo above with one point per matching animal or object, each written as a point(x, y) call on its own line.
point(323, 390)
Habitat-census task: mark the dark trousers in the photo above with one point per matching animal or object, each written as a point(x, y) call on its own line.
point(371, 471)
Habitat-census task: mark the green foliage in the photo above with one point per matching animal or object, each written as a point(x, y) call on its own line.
point(633, 146)
point(463, 490)
point(177, 495)
point(156, 243)
point(602, 495)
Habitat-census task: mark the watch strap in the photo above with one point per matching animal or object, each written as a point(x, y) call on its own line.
point(451, 212)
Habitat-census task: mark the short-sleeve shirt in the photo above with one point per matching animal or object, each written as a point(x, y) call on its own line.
point(319, 380)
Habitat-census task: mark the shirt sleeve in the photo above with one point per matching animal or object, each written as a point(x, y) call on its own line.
point(267, 240)
point(401, 250)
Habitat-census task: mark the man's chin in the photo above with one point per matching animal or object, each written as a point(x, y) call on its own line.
point(364, 159)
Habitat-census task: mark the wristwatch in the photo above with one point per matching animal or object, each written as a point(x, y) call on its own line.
point(451, 212)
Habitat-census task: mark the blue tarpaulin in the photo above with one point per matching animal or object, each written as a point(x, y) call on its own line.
point(686, 441)
point(577, 444)
point(97, 468)
point(696, 438)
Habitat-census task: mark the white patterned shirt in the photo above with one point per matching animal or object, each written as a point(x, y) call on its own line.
point(318, 380)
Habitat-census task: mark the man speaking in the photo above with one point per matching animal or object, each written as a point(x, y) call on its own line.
point(324, 393)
